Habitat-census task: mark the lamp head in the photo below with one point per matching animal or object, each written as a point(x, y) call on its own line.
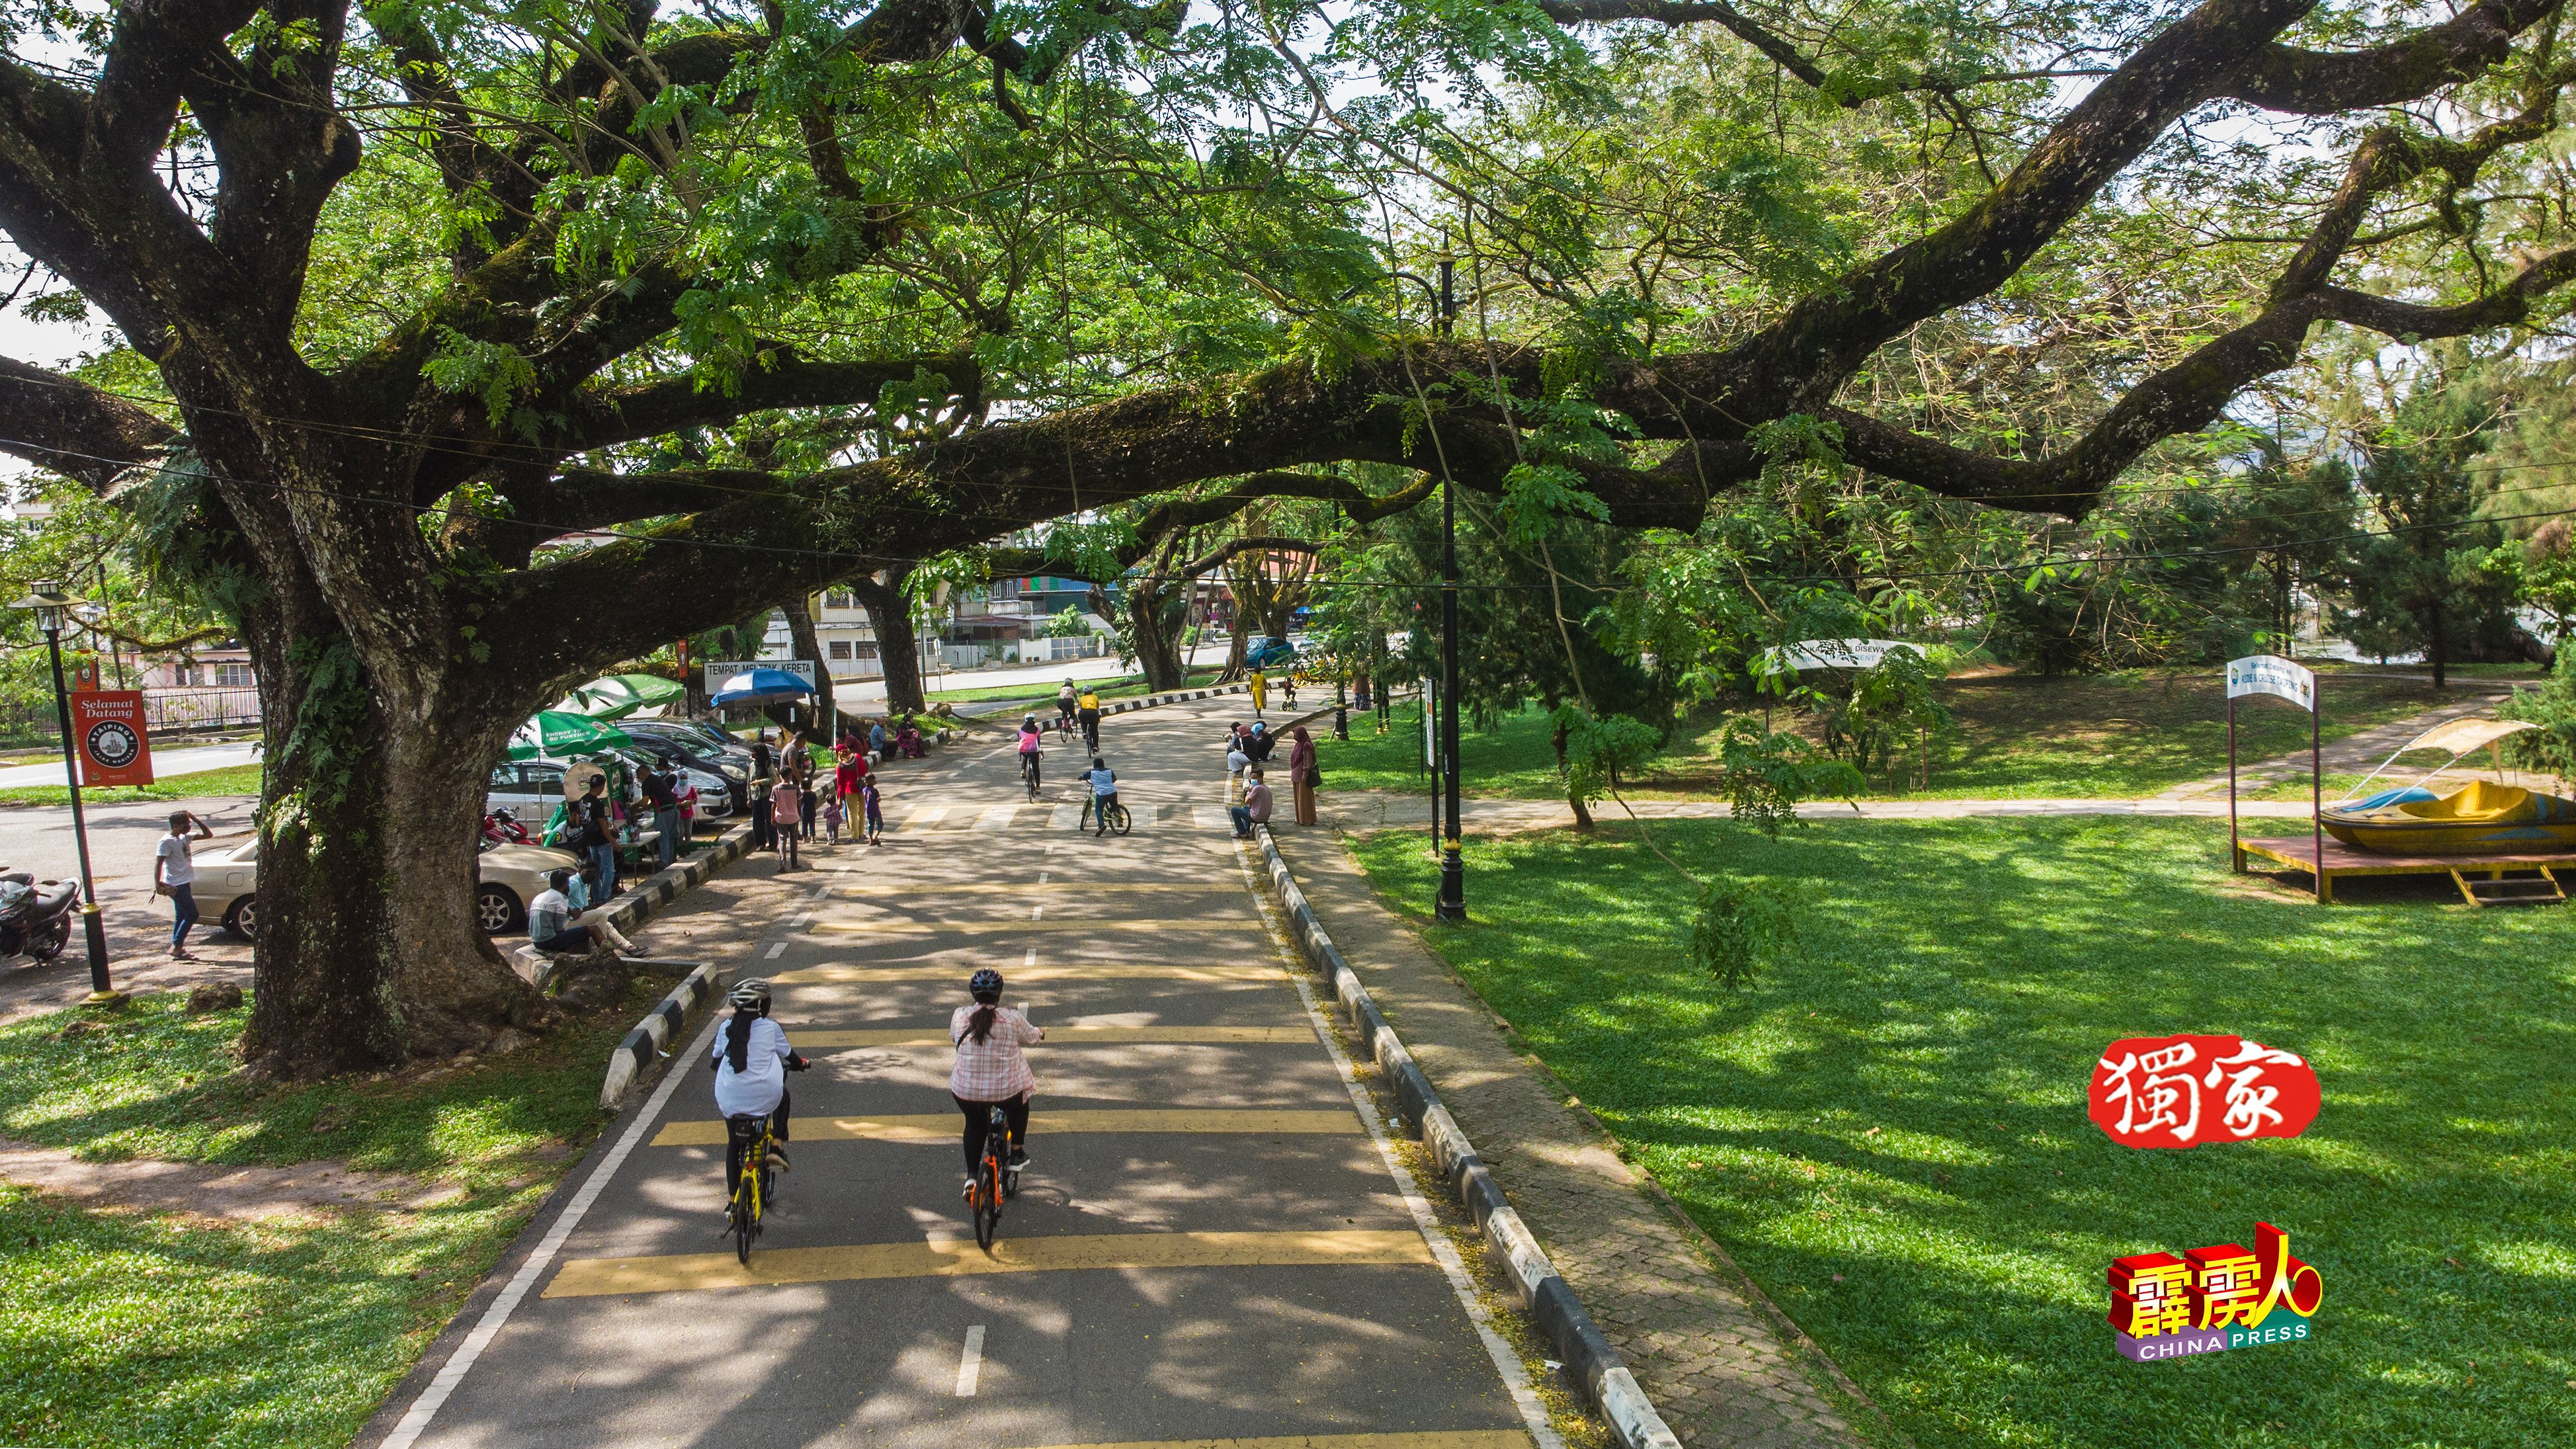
point(50, 603)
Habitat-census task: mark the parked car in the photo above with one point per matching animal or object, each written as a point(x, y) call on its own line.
point(704, 741)
point(720, 792)
point(506, 878)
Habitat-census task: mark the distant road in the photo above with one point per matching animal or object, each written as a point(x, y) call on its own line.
point(1038, 677)
point(190, 761)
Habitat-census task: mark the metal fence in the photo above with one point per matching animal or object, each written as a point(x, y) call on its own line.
point(197, 709)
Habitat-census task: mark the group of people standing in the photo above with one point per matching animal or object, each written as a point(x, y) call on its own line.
point(1248, 748)
point(791, 794)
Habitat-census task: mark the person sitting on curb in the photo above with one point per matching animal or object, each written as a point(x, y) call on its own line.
point(1256, 801)
point(552, 929)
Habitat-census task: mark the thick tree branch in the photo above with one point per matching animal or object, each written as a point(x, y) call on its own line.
point(2315, 82)
point(65, 425)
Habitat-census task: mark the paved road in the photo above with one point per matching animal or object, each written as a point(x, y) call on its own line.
point(195, 759)
point(1040, 678)
point(1212, 1244)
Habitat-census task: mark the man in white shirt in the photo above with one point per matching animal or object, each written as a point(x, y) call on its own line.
point(1236, 762)
point(174, 874)
point(551, 926)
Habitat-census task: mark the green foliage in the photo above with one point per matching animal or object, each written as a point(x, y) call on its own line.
point(1739, 925)
point(1600, 753)
point(1891, 709)
point(2437, 579)
point(2552, 706)
point(1769, 772)
point(1065, 623)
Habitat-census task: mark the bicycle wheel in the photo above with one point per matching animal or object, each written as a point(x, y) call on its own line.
point(746, 1214)
point(1119, 819)
point(988, 1200)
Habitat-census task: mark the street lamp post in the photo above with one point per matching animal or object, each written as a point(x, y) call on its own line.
point(1453, 871)
point(52, 607)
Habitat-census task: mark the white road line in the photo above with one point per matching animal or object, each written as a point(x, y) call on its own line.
point(1515, 1374)
point(775, 951)
point(1037, 910)
point(416, 1422)
point(1032, 958)
point(972, 1364)
point(1042, 875)
point(996, 818)
point(1064, 817)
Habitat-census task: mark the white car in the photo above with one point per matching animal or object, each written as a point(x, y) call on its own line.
point(506, 878)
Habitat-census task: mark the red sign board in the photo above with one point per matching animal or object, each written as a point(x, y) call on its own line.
point(107, 725)
point(2181, 1091)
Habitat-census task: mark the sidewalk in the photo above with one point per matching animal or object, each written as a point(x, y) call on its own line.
point(1723, 1368)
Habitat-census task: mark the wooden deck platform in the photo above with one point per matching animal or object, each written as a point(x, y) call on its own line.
point(2298, 852)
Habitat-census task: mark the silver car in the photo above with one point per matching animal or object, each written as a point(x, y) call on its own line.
point(506, 878)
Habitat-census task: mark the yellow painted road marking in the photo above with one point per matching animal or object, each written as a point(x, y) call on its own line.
point(1071, 1036)
point(1104, 971)
point(1060, 923)
point(950, 1258)
point(1428, 1439)
point(944, 1126)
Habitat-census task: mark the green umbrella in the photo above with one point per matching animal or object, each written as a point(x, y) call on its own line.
point(616, 696)
point(557, 732)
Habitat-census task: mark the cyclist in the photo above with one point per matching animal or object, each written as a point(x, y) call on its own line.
point(1030, 736)
point(1104, 793)
point(1064, 703)
point(751, 1061)
point(1087, 709)
point(992, 1067)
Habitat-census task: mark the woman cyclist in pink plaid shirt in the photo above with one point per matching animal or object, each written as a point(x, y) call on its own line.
point(992, 1068)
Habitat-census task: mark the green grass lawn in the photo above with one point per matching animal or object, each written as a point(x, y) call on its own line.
point(1121, 687)
point(121, 1329)
point(1888, 1128)
point(233, 780)
point(2101, 737)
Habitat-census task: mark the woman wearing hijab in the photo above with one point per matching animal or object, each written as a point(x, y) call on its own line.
point(1303, 774)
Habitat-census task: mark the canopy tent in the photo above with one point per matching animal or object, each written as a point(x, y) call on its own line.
point(616, 696)
point(760, 686)
point(557, 733)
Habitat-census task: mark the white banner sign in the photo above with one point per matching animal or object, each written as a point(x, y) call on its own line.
point(2271, 674)
point(724, 669)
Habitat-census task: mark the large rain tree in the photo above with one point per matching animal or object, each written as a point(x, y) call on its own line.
point(467, 348)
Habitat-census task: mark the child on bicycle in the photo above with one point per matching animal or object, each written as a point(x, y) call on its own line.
point(992, 1068)
point(1030, 736)
point(751, 1061)
point(1104, 793)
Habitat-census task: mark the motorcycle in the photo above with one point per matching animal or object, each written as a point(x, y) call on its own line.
point(35, 916)
point(503, 828)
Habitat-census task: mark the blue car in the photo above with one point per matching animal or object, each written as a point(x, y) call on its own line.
point(1269, 652)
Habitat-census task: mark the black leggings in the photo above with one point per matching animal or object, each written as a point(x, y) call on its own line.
point(979, 1116)
point(736, 1141)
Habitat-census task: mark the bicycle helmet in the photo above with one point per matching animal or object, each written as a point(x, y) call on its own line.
point(986, 985)
point(752, 995)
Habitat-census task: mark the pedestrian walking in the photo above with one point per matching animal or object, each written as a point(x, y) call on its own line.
point(807, 800)
point(174, 874)
point(595, 832)
point(1303, 775)
point(782, 815)
point(872, 801)
point(1260, 692)
point(1256, 799)
point(832, 819)
point(763, 834)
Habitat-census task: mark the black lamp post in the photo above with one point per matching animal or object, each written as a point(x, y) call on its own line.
point(52, 608)
point(1452, 906)
point(1341, 709)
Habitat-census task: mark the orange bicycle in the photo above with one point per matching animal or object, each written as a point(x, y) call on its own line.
point(996, 1181)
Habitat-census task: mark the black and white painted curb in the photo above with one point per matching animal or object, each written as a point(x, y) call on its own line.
point(1121, 706)
point(644, 1045)
point(1586, 1353)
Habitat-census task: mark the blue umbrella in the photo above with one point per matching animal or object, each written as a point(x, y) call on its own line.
point(760, 686)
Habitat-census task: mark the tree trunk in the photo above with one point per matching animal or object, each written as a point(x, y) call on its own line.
point(368, 954)
point(800, 633)
point(1236, 652)
point(2433, 649)
point(1573, 796)
point(1157, 638)
point(898, 648)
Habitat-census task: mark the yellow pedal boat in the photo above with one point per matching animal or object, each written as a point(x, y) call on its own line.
point(2480, 818)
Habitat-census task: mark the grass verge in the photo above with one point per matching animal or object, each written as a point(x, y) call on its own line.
point(232, 780)
point(2109, 736)
point(1888, 1128)
point(123, 1328)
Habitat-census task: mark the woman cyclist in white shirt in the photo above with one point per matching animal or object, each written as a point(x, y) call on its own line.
point(992, 1068)
point(751, 1061)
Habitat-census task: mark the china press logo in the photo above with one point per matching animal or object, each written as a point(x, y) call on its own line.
point(2181, 1091)
point(2210, 1300)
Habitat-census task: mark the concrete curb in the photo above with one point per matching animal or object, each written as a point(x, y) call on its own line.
point(1121, 706)
point(644, 1045)
point(1588, 1355)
